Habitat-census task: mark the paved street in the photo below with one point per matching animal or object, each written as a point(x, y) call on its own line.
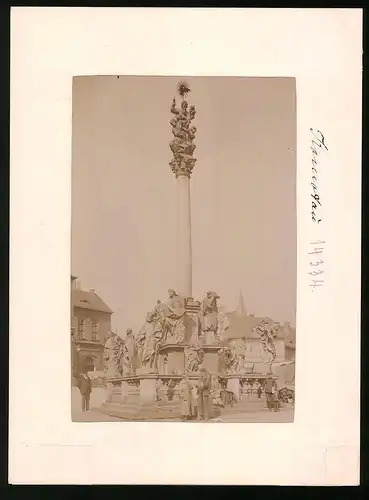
point(97, 397)
point(255, 412)
point(258, 413)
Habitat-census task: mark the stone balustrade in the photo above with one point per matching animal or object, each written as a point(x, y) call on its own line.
point(163, 387)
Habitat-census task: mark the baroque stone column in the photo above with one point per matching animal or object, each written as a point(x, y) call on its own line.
point(184, 245)
point(182, 164)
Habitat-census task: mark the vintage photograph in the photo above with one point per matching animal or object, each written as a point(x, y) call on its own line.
point(183, 258)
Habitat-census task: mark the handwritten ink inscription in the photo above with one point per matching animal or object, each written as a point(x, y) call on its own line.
point(316, 264)
point(317, 145)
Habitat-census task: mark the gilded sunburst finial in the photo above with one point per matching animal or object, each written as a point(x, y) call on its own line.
point(183, 89)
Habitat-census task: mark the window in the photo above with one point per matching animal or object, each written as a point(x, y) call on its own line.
point(81, 328)
point(95, 328)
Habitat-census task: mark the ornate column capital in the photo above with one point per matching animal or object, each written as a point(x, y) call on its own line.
point(183, 168)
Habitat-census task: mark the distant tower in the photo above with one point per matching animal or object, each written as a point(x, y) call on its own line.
point(241, 309)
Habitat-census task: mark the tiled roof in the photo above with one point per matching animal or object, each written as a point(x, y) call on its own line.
point(88, 299)
point(243, 326)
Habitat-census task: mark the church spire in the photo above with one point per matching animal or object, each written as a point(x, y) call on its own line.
point(241, 309)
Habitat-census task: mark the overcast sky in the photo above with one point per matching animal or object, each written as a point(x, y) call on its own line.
point(242, 192)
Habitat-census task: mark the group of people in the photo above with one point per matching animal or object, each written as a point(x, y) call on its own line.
point(196, 401)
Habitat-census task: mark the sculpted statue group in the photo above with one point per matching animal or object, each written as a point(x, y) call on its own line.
point(165, 324)
point(182, 146)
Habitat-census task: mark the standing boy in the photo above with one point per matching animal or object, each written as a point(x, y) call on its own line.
point(84, 386)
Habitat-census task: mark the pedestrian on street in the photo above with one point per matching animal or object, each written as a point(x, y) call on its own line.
point(204, 400)
point(194, 400)
point(271, 393)
point(185, 388)
point(259, 392)
point(84, 385)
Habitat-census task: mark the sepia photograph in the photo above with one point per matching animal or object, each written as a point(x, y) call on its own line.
point(184, 249)
point(178, 240)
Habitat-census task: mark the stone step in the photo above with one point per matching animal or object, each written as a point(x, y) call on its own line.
point(141, 406)
point(145, 411)
point(140, 411)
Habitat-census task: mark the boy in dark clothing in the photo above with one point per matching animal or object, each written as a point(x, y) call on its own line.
point(84, 385)
point(271, 389)
point(204, 400)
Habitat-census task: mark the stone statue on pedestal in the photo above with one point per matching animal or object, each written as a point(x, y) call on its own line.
point(148, 343)
point(159, 389)
point(129, 353)
point(267, 336)
point(223, 325)
point(159, 314)
point(229, 358)
point(209, 314)
point(113, 351)
point(175, 318)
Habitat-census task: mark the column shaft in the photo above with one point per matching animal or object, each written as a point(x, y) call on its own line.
point(184, 251)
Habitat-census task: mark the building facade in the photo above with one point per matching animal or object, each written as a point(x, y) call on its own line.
point(90, 328)
point(242, 329)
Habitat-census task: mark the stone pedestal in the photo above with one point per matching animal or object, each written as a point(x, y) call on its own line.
point(115, 393)
point(211, 358)
point(233, 385)
point(131, 390)
point(172, 359)
point(209, 337)
point(135, 398)
point(148, 389)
